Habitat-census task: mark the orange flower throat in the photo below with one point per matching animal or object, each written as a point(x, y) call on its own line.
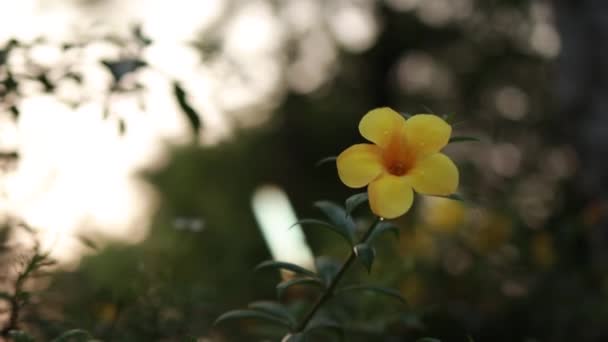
point(397, 158)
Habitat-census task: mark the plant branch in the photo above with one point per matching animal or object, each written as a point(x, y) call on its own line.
point(328, 293)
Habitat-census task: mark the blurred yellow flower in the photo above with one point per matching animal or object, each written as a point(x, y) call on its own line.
point(404, 157)
point(543, 253)
point(443, 215)
point(420, 244)
point(413, 289)
point(108, 312)
point(492, 231)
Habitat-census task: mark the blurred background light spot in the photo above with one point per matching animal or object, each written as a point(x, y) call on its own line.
point(354, 27)
point(559, 163)
point(403, 5)
point(441, 12)
point(456, 260)
point(505, 159)
point(253, 30)
point(314, 63)
point(511, 102)
point(178, 20)
point(274, 215)
point(545, 40)
point(534, 198)
point(418, 72)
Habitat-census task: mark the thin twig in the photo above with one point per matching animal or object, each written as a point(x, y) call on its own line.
point(328, 293)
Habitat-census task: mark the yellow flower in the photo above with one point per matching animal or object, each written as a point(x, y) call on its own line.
point(404, 157)
point(443, 215)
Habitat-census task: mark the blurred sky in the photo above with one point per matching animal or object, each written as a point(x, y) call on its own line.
point(66, 189)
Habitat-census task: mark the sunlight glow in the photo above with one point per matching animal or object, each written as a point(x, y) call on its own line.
point(81, 147)
point(275, 215)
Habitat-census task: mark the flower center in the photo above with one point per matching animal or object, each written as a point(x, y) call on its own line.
point(398, 157)
point(397, 168)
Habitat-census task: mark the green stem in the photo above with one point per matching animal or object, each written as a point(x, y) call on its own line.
point(328, 293)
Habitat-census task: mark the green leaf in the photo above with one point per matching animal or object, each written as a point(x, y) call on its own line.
point(313, 221)
point(371, 288)
point(449, 117)
point(336, 229)
point(120, 68)
point(322, 323)
point(88, 242)
point(355, 201)
point(454, 197)
point(326, 160)
point(381, 228)
point(327, 268)
point(5, 296)
point(184, 104)
point(273, 308)
point(365, 254)
point(284, 285)
point(74, 335)
point(20, 336)
point(463, 139)
point(286, 266)
point(428, 339)
point(252, 314)
point(428, 110)
point(344, 224)
point(298, 337)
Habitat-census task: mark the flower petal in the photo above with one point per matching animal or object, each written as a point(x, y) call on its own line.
point(390, 196)
point(359, 164)
point(427, 133)
point(380, 124)
point(435, 174)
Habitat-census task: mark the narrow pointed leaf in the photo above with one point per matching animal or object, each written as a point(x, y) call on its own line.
point(285, 266)
point(88, 242)
point(298, 337)
point(428, 109)
point(365, 254)
point(74, 335)
point(463, 139)
point(326, 160)
point(327, 268)
point(20, 336)
point(449, 117)
point(355, 201)
point(191, 114)
point(382, 228)
point(325, 324)
point(455, 197)
point(337, 215)
point(285, 285)
point(273, 308)
point(371, 288)
point(314, 222)
point(252, 314)
point(319, 223)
